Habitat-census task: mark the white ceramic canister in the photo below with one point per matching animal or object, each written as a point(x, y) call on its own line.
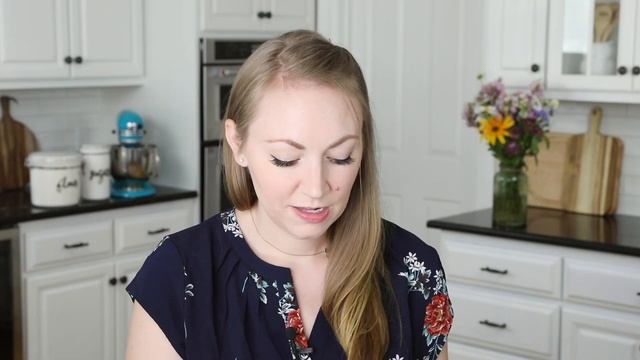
point(96, 171)
point(55, 178)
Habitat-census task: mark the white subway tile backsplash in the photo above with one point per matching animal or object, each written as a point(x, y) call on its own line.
point(619, 120)
point(63, 119)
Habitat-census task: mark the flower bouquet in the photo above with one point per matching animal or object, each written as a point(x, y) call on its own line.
point(514, 126)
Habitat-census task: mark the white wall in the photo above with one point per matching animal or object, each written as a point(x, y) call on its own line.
point(169, 99)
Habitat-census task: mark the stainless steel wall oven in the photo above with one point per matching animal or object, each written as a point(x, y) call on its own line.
point(220, 61)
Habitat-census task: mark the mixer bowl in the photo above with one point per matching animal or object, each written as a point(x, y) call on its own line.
point(139, 162)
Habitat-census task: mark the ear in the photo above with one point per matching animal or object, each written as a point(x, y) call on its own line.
point(234, 141)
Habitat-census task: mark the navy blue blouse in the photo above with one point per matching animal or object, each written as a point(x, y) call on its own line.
point(215, 299)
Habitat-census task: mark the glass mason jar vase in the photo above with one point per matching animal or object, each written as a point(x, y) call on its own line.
point(510, 187)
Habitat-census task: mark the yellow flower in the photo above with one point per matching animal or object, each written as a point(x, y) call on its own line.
point(495, 128)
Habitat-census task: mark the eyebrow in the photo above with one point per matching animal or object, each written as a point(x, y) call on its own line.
point(301, 147)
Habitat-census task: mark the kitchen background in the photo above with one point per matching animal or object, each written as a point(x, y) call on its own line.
point(420, 59)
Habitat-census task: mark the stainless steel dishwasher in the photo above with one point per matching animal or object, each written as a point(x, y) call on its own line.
point(10, 295)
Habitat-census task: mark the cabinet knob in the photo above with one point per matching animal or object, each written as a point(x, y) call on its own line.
point(153, 232)
point(492, 324)
point(113, 281)
point(264, 14)
point(76, 245)
point(123, 279)
point(622, 70)
point(636, 70)
point(535, 67)
point(494, 271)
point(78, 59)
point(68, 60)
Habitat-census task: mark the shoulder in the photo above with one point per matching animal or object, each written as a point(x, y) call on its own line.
point(206, 237)
point(401, 244)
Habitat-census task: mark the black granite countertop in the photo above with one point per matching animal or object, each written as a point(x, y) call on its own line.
point(15, 206)
point(615, 234)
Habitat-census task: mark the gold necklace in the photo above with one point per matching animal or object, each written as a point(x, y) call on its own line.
point(275, 247)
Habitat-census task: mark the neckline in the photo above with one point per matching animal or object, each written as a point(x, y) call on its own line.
point(264, 268)
point(320, 326)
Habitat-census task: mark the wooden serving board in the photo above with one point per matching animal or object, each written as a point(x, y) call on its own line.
point(547, 178)
point(16, 143)
point(593, 170)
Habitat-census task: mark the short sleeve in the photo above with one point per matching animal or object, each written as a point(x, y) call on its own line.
point(159, 288)
point(431, 310)
point(438, 312)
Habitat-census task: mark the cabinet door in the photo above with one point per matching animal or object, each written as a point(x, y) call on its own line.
point(290, 15)
point(594, 334)
point(69, 314)
point(516, 40)
point(635, 71)
point(34, 39)
point(126, 270)
point(106, 38)
point(591, 44)
point(234, 15)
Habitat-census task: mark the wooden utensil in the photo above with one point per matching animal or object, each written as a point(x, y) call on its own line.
point(606, 18)
point(16, 143)
point(592, 176)
point(546, 185)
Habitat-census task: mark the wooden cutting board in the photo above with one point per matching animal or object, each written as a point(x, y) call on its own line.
point(547, 179)
point(16, 143)
point(593, 170)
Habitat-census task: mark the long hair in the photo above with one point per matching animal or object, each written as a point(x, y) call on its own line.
point(356, 278)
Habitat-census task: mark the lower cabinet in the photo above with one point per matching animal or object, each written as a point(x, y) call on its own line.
point(519, 300)
point(81, 312)
point(589, 334)
point(75, 270)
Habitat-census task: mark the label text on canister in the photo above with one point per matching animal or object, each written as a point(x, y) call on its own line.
point(63, 184)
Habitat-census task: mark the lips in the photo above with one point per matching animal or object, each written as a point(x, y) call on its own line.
point(312, 215)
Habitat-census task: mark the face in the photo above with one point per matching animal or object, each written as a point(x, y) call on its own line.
point(303, 151)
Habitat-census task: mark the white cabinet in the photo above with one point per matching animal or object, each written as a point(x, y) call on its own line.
point(515, 41)
point(75, 270)
point(588, 334)
point(537, 301)
point(273, 16)
point(53, 43)
point(592, 45)
point(70, 313)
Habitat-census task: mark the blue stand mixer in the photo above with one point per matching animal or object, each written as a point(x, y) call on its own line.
point(132, 162)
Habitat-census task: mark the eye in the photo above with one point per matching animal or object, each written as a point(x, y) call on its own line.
point(282, 163)
point(346, 161)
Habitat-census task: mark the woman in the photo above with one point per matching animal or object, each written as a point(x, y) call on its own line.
point(303, 267)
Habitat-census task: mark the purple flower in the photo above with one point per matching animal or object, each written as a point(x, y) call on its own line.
point(468, 115)
point(537, 89)
point(515, 133)
point(512, 149)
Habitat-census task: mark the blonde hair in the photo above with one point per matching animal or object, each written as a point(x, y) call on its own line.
point(356, 278)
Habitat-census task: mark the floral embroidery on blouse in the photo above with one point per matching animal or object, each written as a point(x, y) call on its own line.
point(438, 313)
point(230, 223)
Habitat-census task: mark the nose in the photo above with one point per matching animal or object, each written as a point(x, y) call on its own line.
point(315, 182)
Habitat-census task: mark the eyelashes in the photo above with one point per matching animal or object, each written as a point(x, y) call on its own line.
point(281, 163)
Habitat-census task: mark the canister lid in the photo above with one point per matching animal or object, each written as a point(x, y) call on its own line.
point(53, 159)
point(94, 149)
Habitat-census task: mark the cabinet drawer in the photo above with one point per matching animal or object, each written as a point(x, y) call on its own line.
point(506, 322)
point(507, 269)
point(458, 351)
point(603, 284)
point(67, 244)
point(146, 231)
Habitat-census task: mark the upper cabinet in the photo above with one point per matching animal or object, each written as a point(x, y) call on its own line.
point(591, 48)
point(593, 45)
point(55, 43)
point(515, 40)
point(272, 16)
